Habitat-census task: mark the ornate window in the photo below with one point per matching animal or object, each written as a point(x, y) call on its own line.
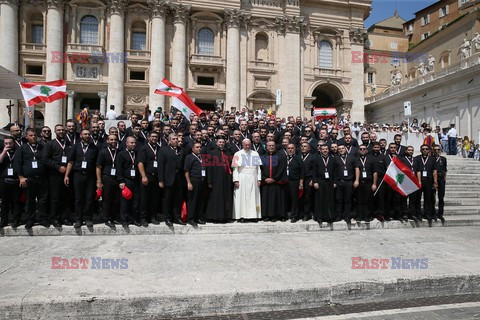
point(139, 36)
point(89, 30)
point(325, 54)
point(261, 47)
point(205, 42)
point(36, 28)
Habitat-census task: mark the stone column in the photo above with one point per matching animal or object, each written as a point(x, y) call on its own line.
point(357, 38)
point(179, 47)
point(70, 101)
point(232, 23)
point(158, 9)
point(116, 10)
point(54, 111)
point(103, 103)
point(9, 52)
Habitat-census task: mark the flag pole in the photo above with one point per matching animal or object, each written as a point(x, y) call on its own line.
point(381, 182)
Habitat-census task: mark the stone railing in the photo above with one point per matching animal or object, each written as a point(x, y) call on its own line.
point(80, 47)
point(206, 59)
point(33, 47)
point(322, 72)
point(141, 54)
point(261, 64)
point(469, 62)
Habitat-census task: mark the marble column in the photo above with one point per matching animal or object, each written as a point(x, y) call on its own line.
point(116, 10)
point(9, 52)
point(158, 9)
point(357, 38)
point(103, 103)
point(54, 111)
point(179, 48)
point(70, 103)
point(232, 22)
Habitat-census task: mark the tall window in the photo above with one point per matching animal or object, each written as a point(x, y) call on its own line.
point(261, 47)
point(325, 57)
point(139, 36)
point(89, 30)
point(37, 33)
point(370, 77)
point(205, 42)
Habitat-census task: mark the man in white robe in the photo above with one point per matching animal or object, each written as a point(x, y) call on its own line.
point(246, 178)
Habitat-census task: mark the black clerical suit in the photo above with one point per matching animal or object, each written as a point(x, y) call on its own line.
point(324, 176)
point(344, 178)
point(307, 201)
point(364, 193)
point(441, 177)
point(170, 172)
point(9, 190)
point(408, 210)
point(273, 194)
point(295, 173)
point(151, 193)
point(219, 177)
point(426, 167)
point(111, 191)
point(196, 197)
point(127, 172)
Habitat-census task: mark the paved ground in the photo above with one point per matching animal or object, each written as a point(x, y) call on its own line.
point(184, 274)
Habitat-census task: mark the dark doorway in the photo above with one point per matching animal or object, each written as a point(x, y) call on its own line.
point(91, 102)
point(206, 106)
point(326, 96)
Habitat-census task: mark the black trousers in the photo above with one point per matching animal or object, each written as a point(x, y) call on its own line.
point(325, 201)
point(293, 205)
point(172, 200)
point(343, 199)
point(441, 196)
point(110, 198)
point(10, 194)
point(379, 198)
point(84, 185)
point(364, 195)
point(58, 197)
point(196, 200)
point(393, 203)
point(150, 196)
point(37, 197)
point(307, 201)
point(129, 209)
point(427, 192)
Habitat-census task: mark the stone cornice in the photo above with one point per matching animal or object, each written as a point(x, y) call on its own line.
point(117, 6)
point(181, 12)
point(290, 24)
point(158, 8)
point(54, 4)
point(358, 36)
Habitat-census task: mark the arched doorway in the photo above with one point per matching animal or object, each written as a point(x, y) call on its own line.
point(328, 95)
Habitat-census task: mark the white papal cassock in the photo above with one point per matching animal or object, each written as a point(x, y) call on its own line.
point(246, 198)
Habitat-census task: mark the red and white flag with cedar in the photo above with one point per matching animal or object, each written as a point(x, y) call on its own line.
point(400, 178)
point(36, 92)
point(181, 100)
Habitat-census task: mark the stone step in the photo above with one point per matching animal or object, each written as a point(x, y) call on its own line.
point(462, 194)
point(462, 202)
point(462, 210)
point(455, 219)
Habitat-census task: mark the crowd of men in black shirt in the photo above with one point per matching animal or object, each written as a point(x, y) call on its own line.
point(144, 173)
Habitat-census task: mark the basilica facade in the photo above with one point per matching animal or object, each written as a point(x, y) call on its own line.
point(288, 55)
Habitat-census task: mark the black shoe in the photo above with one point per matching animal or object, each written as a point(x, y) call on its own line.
point(56, 224)
point(338, 219)
point(15, 224)
point(283, 220)
point(180, 222)
point(192, 223)
point(320, 221)
point(201, 222)
point(294, 220)
point(388, 219)
point(78, 224)
point(242, 220)
point(125, 225)
point(155, 221)
point(29, 225)
point(168, 223)
point(430, 223)
point(442, 219)
point(3, 224)
point(89, 223)
point(110, 224)
point(67, 222)
point(144, 223)
point(136, 223)
point(266, 219)
point(349, 224)
point(306, 218)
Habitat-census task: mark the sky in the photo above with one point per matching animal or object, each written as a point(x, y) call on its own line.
point(383, 9)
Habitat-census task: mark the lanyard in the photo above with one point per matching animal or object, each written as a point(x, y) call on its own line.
point(425, 163)
point(10, 158)
point(143, 134)
point(84, 150)
point(411, 162)
point(391, 157)
point(325, 162)
point(113, 156)
point(70, 139)
point(61, 146)
point(256, 148)
point(175, 150)
point(348, 150)
point(288, 161)
point(121, 137)
point(363, 162)
point(95, 142)
point(344, 161)
point(19, 143)
point(34, 151)
point(198, 158)
point(398, 149)
point(132, 157)
point(305, 157)
point(153, 150)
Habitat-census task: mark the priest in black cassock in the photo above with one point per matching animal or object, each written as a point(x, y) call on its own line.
point(219, 179)
point(323, 172)
point(295, 174)
point(274, 177)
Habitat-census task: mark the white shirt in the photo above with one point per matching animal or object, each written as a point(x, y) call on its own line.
point(452, 133)
point(111, 115)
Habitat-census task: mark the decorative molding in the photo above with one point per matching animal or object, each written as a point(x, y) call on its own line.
point(262, 24)
point(117, 6)
point(158, 8)
point(102, 94)
point(54, 4)
point(139, 10)
point(290, 24)
point(135, 99)
point(233, 18)
point(358, 36)
point(181, 12)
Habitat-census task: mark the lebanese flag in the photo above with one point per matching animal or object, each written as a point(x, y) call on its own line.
point(36, 92)
point(167, 88)
point(324, 113)
point(400, 178)
point(181, 100)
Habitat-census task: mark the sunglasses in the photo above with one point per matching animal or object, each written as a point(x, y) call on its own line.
point(362, 149)
point(424, 149)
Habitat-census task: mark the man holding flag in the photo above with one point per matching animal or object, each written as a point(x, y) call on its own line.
point(181, 101)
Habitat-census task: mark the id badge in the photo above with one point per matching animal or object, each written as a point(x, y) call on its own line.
point(64, 159)
point(424, 174)
point(113, 171)
point(34, 165)
point(10, 172)
point(364, 175)
point(132, 173)
point(155, 164)
point(345, 173)
point(327, 176)
point(288, 172)
point(204, 173)
point(84, 164)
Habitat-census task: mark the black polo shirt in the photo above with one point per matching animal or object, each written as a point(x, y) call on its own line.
point(441, 162)
point(367, 167)
point(426, 166)
point(344, 168)
point(127, 166)
point(28, 161)
point(84, 157)
point(56, 154)
point(148, 155)
point(194, 166)
point(106, 160)
point(7, 166)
